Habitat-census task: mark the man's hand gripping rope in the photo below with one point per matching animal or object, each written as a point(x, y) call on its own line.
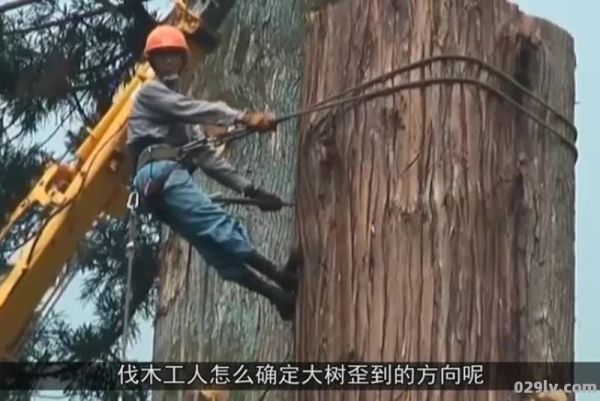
point(261, 122)
point(253, 122)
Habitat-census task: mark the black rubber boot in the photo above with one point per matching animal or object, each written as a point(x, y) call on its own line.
point(287, 278)
point(284, 301)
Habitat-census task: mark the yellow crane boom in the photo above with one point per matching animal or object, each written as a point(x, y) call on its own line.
point(75, 196)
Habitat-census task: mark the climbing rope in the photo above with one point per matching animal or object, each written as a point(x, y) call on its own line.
point(468, 59)
point(132, 205)
point(344, 97)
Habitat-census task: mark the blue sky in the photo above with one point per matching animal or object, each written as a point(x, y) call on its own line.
point(579, 18)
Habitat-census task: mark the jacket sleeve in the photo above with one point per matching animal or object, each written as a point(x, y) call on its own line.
point(159, 99)
point(217, 168)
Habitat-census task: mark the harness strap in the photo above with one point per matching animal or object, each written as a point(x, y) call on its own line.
point(132, 205)
point(151, 193)
point(158, 152)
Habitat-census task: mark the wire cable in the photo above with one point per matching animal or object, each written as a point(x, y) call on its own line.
point(339, 100)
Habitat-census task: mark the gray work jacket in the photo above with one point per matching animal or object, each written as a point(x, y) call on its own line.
point(162, 113)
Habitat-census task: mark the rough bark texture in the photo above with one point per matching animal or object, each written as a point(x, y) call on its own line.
point(201, 318)
point(437, 224)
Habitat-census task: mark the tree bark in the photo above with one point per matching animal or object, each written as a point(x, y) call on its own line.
point(437, 224)
point(200, 317)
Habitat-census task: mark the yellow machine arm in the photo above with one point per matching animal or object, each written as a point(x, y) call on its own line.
point(75, 196)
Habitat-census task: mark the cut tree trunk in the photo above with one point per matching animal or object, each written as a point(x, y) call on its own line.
point(437, 224)
point(200, 317)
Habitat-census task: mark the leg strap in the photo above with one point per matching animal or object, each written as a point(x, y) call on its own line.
point(152, 192)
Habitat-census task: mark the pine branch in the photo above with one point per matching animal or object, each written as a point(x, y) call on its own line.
point(97, 54)
point(16, 4)
point(104, 64)
point(108, 3)
point(79, 107)
point(60, 22)
point(109, 334)
point(13, 121)
point(56, 130)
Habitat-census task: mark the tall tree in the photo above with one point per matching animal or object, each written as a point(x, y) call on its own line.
point(200, 317)
point(447, 212)
point(436, 224)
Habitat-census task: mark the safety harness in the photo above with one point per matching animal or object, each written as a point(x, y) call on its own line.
point(184, 156)
point(151, 196)
point(151, 200)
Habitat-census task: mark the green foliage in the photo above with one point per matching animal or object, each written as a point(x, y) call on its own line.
point(103, 262)
point(19, 169)
point(68, 55)
point(59, 58)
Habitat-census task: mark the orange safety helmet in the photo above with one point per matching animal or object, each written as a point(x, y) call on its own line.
point(165, 37)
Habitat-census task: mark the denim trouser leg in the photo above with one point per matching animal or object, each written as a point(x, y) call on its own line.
point(220, 238)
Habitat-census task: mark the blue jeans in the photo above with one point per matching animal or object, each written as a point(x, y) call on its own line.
point(217, 236)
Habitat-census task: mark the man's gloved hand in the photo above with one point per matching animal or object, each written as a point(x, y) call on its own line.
point(259, 121)
point(266, 201)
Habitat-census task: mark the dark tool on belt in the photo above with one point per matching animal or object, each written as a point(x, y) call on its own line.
point(240, 201)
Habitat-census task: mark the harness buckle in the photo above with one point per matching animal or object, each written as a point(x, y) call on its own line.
point(133, 201)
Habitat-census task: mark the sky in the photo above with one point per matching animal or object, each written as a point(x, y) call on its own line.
point(579, 18)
